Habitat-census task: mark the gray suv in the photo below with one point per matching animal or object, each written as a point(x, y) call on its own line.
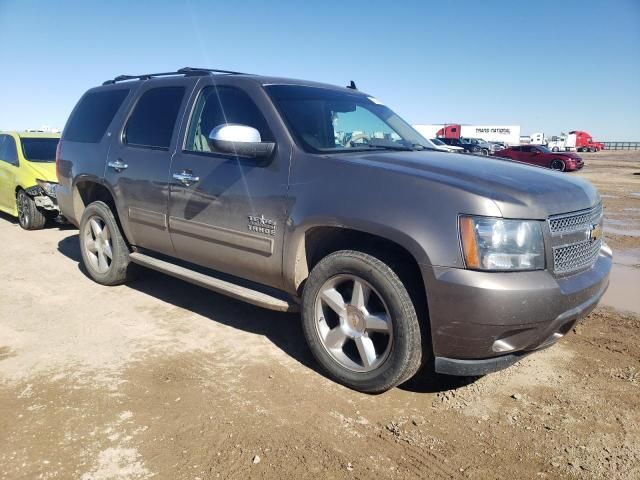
point(300, 196)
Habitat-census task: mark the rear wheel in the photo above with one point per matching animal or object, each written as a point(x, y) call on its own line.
point(29, 217)
point(105, 254)
point(360, 322)
point(558, 165)
point(555, 149)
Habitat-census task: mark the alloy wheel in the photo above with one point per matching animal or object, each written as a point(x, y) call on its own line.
point(353, 323)
point(23, 209)
point(97, 244)
point(557, 165)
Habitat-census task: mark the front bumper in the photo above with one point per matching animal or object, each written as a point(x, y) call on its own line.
point(485, 321)
point(46, 203)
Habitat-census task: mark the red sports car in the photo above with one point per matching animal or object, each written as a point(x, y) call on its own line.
point(542, 156)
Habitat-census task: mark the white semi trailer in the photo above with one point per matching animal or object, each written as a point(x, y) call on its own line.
point(507, 134)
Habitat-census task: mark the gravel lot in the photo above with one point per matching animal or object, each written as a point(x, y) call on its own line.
point(162, 379)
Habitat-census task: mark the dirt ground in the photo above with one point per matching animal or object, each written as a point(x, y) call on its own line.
point(162, 379)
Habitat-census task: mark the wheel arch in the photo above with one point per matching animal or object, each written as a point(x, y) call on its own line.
point(88, 190)
point(319, 241)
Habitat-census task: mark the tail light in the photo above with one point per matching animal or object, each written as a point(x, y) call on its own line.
point(58, 153)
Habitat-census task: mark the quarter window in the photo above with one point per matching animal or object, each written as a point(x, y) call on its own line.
point(154, 117)
point(222, 105)
point(93, 115)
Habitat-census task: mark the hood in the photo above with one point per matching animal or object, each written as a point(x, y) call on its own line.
point(44, 171)
point(519, 190)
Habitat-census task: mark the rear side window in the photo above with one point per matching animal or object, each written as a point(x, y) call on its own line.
point(154, 117)
point(93, 116)
point(8, 151)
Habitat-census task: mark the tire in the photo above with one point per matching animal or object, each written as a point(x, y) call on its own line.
point(555, 149)
point(100, 236)
point(395, 342)
point(557, 164)
point(29, 217)
point(484, 151)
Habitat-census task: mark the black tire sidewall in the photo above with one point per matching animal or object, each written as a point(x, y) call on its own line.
point(558, 169)
point(118, 271)
point(406, 352)
point(36, 220)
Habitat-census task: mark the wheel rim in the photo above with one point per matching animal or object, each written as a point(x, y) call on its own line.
point(353, 323)
point(557, 165)
point(97, 244)
point(23, 209)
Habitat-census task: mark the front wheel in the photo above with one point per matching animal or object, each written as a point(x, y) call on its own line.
point(29, 217)
point(555, 149)
point(558, 165)
point(484, 151)
point(360, 322)
point(105, 254)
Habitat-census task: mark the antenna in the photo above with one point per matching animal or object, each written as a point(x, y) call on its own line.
point(352, 85)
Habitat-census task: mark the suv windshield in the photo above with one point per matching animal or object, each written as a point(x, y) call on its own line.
point(330, 121)
point(39, 149)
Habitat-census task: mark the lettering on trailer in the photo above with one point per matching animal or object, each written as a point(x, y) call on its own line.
point(504, 131)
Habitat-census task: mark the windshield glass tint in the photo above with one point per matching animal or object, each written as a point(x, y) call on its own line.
point(325, 120)
point(39, 149)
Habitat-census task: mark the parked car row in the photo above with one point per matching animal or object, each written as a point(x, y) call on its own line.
point(472, 145)
point(398, 256)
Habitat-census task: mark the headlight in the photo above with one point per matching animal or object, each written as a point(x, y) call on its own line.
point(499, 244)
point(48, 187)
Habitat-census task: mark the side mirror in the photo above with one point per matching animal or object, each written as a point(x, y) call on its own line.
point(240, 140)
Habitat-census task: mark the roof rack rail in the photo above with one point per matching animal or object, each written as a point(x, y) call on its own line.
point(186, 71)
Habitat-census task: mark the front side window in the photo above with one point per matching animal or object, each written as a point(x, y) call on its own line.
point(154, 117)
point(39, 149)
point(219, 106)
point(328, 121)
point(8, 151)
point(93, 115)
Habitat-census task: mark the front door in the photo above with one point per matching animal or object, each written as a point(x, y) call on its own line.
point(139, 162)
point(228, 212)
point(8, 172)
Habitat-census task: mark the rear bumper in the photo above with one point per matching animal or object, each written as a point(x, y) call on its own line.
point(482, 322)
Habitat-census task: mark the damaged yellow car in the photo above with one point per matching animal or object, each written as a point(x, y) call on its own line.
point(28, 178)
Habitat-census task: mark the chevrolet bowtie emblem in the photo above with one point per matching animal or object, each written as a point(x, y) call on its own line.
point(595, 233)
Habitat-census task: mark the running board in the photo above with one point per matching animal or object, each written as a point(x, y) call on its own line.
point(217, 285)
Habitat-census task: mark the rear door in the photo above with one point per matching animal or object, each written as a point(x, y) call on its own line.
point(140, 157)
point(8, 172)
point(231, 216)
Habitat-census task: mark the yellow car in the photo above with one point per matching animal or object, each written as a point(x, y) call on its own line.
point(28, 178)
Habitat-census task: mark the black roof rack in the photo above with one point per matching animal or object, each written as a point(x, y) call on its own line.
point(186, 71)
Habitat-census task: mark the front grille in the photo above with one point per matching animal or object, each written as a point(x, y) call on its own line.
point(577, 221)
point(578, 256)
point(572, 236)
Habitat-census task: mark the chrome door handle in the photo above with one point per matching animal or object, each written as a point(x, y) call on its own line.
point(118, 165)
point(186, 178)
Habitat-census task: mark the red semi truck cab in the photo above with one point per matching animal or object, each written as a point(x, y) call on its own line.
point(584, 142)
point(449, 131)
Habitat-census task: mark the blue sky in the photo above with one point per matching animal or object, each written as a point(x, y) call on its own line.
point(545, 65)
